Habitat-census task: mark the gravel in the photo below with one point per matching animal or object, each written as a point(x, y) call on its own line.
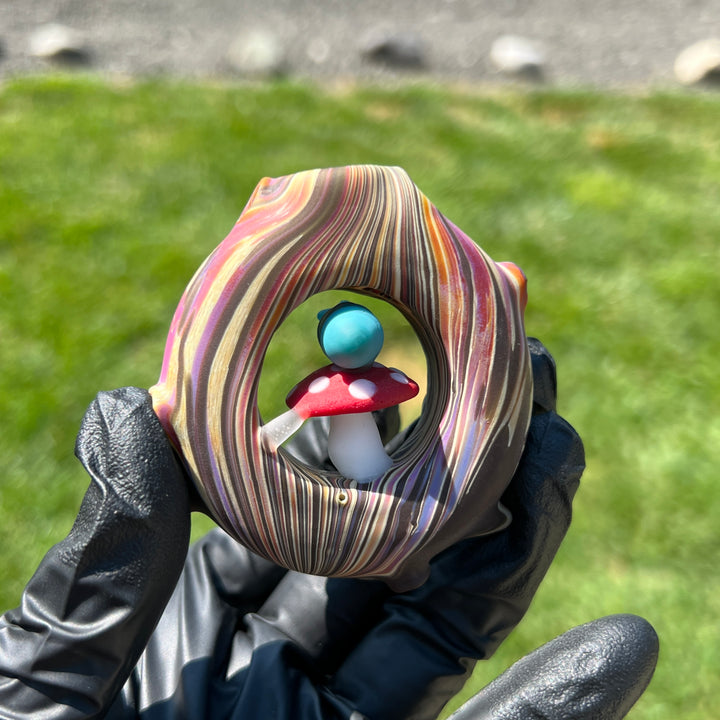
point(605, 43)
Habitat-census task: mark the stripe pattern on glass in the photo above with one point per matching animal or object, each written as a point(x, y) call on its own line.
point(366, 229)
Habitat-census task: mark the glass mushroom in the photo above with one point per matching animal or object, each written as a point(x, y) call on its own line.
point(348, 391)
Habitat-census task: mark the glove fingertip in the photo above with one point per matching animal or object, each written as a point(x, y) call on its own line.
point(556, 447)
point(558, 681)
point(548, 476)
point(110, 409)
point(544, 377)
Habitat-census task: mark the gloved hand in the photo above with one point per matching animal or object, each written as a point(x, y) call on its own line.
point(90, 607)
point(242, 638)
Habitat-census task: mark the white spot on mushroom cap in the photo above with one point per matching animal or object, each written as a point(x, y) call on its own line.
point(362, 389)
point(399, 377)
point(319, 384)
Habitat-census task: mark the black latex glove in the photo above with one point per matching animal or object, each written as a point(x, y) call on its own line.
point(593, 672)
point(96, 597)
point(240, 637)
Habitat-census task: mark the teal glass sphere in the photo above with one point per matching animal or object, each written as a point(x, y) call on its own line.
point(350, 335)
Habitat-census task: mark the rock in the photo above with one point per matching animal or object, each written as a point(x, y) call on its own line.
point(318, 50)
point(257, 54)
point(59, 43)
point(699, 63)
point(518, 56)
point(400, 50)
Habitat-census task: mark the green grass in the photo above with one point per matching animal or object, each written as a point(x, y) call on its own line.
point(111, 195)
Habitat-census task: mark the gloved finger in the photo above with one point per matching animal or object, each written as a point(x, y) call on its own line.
point(597, 670)
point(544, 377)
point(93, 602)
point(478, 590)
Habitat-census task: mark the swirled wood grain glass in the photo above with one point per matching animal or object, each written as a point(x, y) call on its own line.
point(366, 229)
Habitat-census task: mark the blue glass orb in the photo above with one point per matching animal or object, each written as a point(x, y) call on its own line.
point(350, 335)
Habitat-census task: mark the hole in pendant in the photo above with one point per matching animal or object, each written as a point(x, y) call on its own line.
point(294, 352)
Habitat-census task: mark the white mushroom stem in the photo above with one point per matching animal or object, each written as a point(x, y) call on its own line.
point(354, 443)
point(355, 447)
point(279, 429)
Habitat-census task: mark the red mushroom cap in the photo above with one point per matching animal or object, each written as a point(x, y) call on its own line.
point(333, 390)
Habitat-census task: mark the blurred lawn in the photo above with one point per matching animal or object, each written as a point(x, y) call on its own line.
point(111, 195)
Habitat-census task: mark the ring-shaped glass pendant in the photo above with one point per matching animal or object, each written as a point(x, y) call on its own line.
point(366, 229)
